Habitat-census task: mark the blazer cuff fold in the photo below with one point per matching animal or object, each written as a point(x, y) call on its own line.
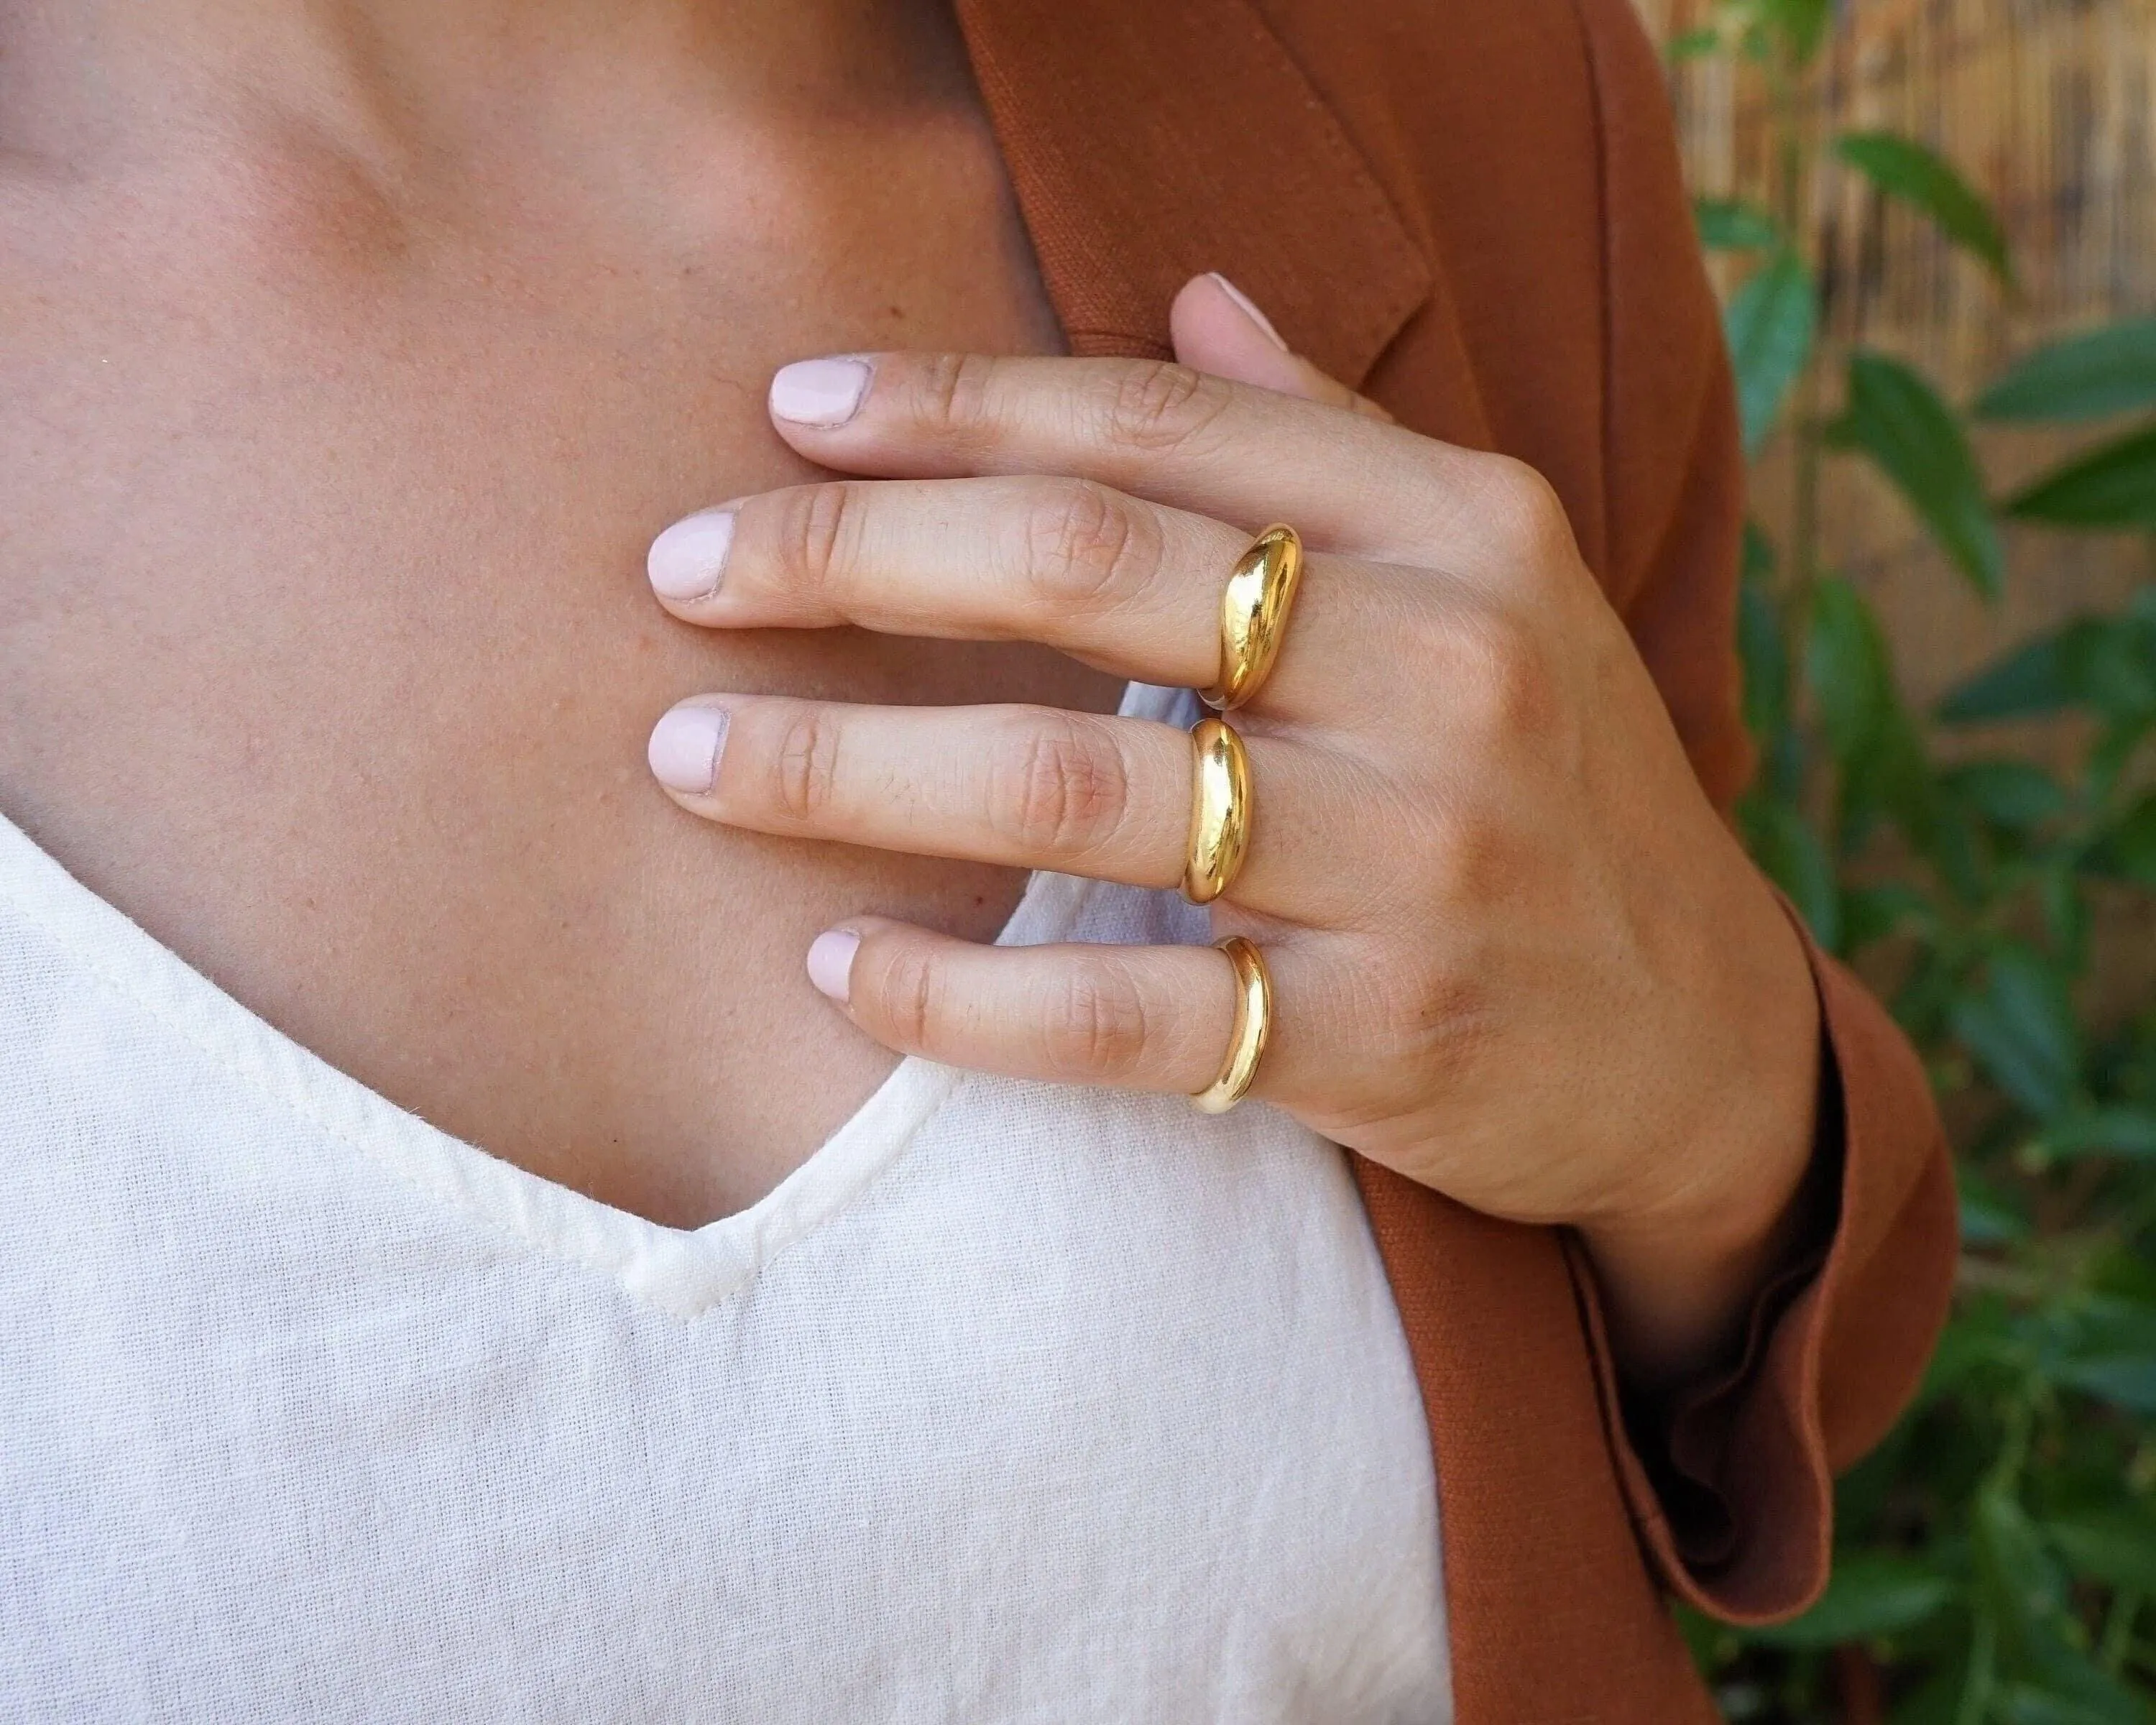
point(1730, 1480)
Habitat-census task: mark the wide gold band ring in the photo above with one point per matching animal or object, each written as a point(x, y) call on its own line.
point(1219, 810)
point(1253, 610)
point(1254, 1026)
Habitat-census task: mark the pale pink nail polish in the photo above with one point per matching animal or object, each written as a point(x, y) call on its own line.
point(822, 392)
point(689, 559)
point(831, 963)
point(1249, 309)
point(685, 748)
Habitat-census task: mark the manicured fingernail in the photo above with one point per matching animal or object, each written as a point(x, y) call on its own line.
point(831, 963)
point(1250, 309)
point(819, 392)
point(688, 559)
point(685, 748)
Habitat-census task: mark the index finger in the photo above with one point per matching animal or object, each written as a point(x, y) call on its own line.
point(1164, 432)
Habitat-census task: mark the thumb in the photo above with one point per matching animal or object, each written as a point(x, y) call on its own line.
point(1217, 328)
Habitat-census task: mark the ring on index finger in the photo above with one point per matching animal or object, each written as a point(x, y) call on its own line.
point(1253, 609)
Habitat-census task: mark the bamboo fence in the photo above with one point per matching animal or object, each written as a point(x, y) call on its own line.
point(2049, 108)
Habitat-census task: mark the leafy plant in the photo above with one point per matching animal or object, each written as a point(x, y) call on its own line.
point(1997, 1556)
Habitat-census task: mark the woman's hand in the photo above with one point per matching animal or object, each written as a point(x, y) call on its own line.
point(1517, 955)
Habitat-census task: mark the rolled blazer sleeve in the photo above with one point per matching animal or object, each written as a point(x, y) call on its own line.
point(1730, 1482)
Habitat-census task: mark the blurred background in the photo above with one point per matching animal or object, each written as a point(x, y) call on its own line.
point(2048, 109)
point(1932, 224)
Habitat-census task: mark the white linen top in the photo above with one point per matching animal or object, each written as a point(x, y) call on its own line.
point(1016, 1402)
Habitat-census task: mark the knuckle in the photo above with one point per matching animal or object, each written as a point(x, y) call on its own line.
point(1086, 546)
point(1448, 1017)
point(1157, 405)
point(950, 393)
point(1065, 787)
point(805, 774)
point(816, 533)
point(1499, 678)
point(1474, 863)
point(1525, 514)
point(908, 993)
point(1095, 1021)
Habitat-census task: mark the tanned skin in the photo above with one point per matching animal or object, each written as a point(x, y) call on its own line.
point(351, 356)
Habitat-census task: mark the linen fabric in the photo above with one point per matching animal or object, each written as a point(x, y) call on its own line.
point(1474, 214)
point(1017, 1402)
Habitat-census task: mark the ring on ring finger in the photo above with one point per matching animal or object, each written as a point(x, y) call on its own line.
point(1220, 799)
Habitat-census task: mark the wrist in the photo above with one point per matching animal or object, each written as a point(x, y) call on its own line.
point(1732, 1199)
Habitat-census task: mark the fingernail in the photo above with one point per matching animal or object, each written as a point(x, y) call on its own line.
point(831, 963)
point(685, 747)
point(688, 560)
point(819, 392)
point(1250, 309)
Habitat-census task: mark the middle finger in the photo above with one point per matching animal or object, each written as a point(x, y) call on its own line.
point(1025, 786)
point(1128, 586)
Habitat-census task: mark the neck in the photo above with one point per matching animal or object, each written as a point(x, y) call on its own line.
point(431, 77)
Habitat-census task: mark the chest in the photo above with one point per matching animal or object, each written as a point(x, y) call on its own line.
point(326, 651)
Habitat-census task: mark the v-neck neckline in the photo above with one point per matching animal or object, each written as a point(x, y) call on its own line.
point(684, 1272)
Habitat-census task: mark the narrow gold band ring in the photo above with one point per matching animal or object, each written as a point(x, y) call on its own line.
point(1219, 810)
point(1253, 610)
point(1254, 1026)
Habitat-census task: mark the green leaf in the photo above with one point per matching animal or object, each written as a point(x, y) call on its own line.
point(2108, 1351)
point(1769, 325)
point(2121, 1131)
point(2117, 1548)
point(1693, 44)
point(1976, 1346)
point(2109, 370)
point(1868, 1596)
point(1849, 668)
point(1872, 913)
point(2065, 1689)
point(1898, 419)
point(1903, 168)
point(1730, 224)
point(2126, 1380)
point(1988, 1216)
point(1795, 860)
point(2065, 909)
point(2015, 1568)
point(2110, 755)
point(1764, 655)
point(2126, 849)
point(1800, 25)
point(2015, 794)
point(2027, 1704)
point(2114, 487)
point(2105, 664)
point(2022, 1030)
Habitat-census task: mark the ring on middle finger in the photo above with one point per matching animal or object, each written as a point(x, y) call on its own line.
point(1253, 609)
point(1219, 810)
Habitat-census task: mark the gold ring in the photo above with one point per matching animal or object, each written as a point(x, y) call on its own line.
point(1219, 810)
point(1253, 1025)
point(1253, 610)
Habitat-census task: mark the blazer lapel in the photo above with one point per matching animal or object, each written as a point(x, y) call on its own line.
point(1148, 143)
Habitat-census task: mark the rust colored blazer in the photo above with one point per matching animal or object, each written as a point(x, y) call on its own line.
point(1472, 210)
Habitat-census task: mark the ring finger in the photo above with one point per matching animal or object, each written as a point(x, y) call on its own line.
point(1034, 787)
